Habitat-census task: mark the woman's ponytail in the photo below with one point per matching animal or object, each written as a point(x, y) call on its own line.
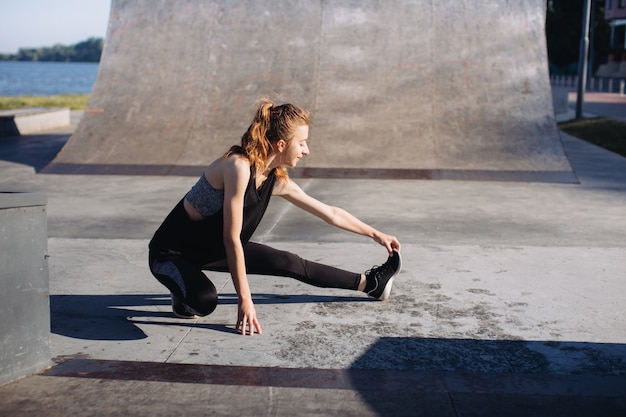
point(270, 124)
point(255, 141)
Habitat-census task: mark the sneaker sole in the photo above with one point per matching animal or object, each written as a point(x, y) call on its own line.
point(387, 290)
point(181, 316)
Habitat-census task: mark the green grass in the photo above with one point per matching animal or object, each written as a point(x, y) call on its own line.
point(73, 101)
point(607, 133)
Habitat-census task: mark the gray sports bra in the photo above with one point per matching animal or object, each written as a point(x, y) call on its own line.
point(204, 198)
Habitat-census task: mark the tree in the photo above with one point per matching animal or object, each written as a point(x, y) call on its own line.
point(85, 51)
point(563, 31)
point(89, 50)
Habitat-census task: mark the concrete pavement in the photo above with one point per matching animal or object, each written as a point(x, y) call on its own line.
point(510, 302)
point(604, 104)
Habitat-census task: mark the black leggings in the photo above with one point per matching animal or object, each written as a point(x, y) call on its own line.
point(187, 281)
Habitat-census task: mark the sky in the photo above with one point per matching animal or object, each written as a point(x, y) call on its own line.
point(37, 23)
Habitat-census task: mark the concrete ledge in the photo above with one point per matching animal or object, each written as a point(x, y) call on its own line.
point(14, 199)
point(32, 120)
point(24, 294)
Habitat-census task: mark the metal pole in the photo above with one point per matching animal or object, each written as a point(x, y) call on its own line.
point(582, 61)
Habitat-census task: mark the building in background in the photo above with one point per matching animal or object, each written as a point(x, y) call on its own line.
point(615, 14)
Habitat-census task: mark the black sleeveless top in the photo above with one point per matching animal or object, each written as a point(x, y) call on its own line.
point(202, 242)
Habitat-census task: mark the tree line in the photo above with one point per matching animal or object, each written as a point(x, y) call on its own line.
point(86, 51)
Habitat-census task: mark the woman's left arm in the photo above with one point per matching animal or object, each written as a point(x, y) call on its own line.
point(335, 216)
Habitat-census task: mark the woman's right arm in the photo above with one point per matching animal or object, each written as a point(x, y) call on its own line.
point(236, 173)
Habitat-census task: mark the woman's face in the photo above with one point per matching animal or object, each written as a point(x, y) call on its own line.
point(296, 148)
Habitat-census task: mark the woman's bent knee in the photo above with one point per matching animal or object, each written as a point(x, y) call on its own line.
point(204, 305)
point(202, 297)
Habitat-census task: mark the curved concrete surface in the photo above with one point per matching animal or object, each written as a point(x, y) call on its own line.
point(443, 86)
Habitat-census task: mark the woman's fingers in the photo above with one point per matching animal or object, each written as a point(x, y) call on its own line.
point(257, 326)
point(251, 325)
point(390, 243)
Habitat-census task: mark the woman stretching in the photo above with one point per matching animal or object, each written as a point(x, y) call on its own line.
point(211, 227)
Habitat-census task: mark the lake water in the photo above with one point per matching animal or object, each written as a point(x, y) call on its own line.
point(46, 78)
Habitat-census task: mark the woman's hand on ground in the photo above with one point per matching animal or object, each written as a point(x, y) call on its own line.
point(246, 318)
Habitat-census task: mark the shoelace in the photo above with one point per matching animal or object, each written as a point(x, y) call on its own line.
point(378, 269)
point(383, 270)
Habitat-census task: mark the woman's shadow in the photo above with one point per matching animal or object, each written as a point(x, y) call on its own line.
point(116, 316)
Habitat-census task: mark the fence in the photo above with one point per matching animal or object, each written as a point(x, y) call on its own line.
point(597, 84)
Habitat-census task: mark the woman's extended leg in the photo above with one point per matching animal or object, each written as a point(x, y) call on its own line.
point(265, 260)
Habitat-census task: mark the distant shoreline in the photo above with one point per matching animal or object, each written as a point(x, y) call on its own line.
point(87, 51)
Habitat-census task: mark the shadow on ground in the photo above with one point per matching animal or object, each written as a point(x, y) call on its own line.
point(396, 376)
point(33, 150)
point(114, 317)
point(424, 376)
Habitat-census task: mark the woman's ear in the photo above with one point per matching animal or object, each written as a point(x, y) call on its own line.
point(281, 145)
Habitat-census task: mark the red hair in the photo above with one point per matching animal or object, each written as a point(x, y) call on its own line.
point(270, 124)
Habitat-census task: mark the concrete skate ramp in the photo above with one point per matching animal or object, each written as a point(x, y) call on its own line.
point(414, 89)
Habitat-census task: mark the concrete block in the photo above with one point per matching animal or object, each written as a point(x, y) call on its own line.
point(560, 100)
point(24, 293)
point(32, 120)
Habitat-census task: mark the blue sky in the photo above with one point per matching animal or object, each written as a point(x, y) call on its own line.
point(36, 23)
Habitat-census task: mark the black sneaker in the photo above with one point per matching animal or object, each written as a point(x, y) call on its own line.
point(180, 309)
point(380, 278)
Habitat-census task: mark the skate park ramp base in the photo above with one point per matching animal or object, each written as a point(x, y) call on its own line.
point(418, 89)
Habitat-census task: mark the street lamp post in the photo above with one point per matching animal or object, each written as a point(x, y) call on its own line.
point(582, 61)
